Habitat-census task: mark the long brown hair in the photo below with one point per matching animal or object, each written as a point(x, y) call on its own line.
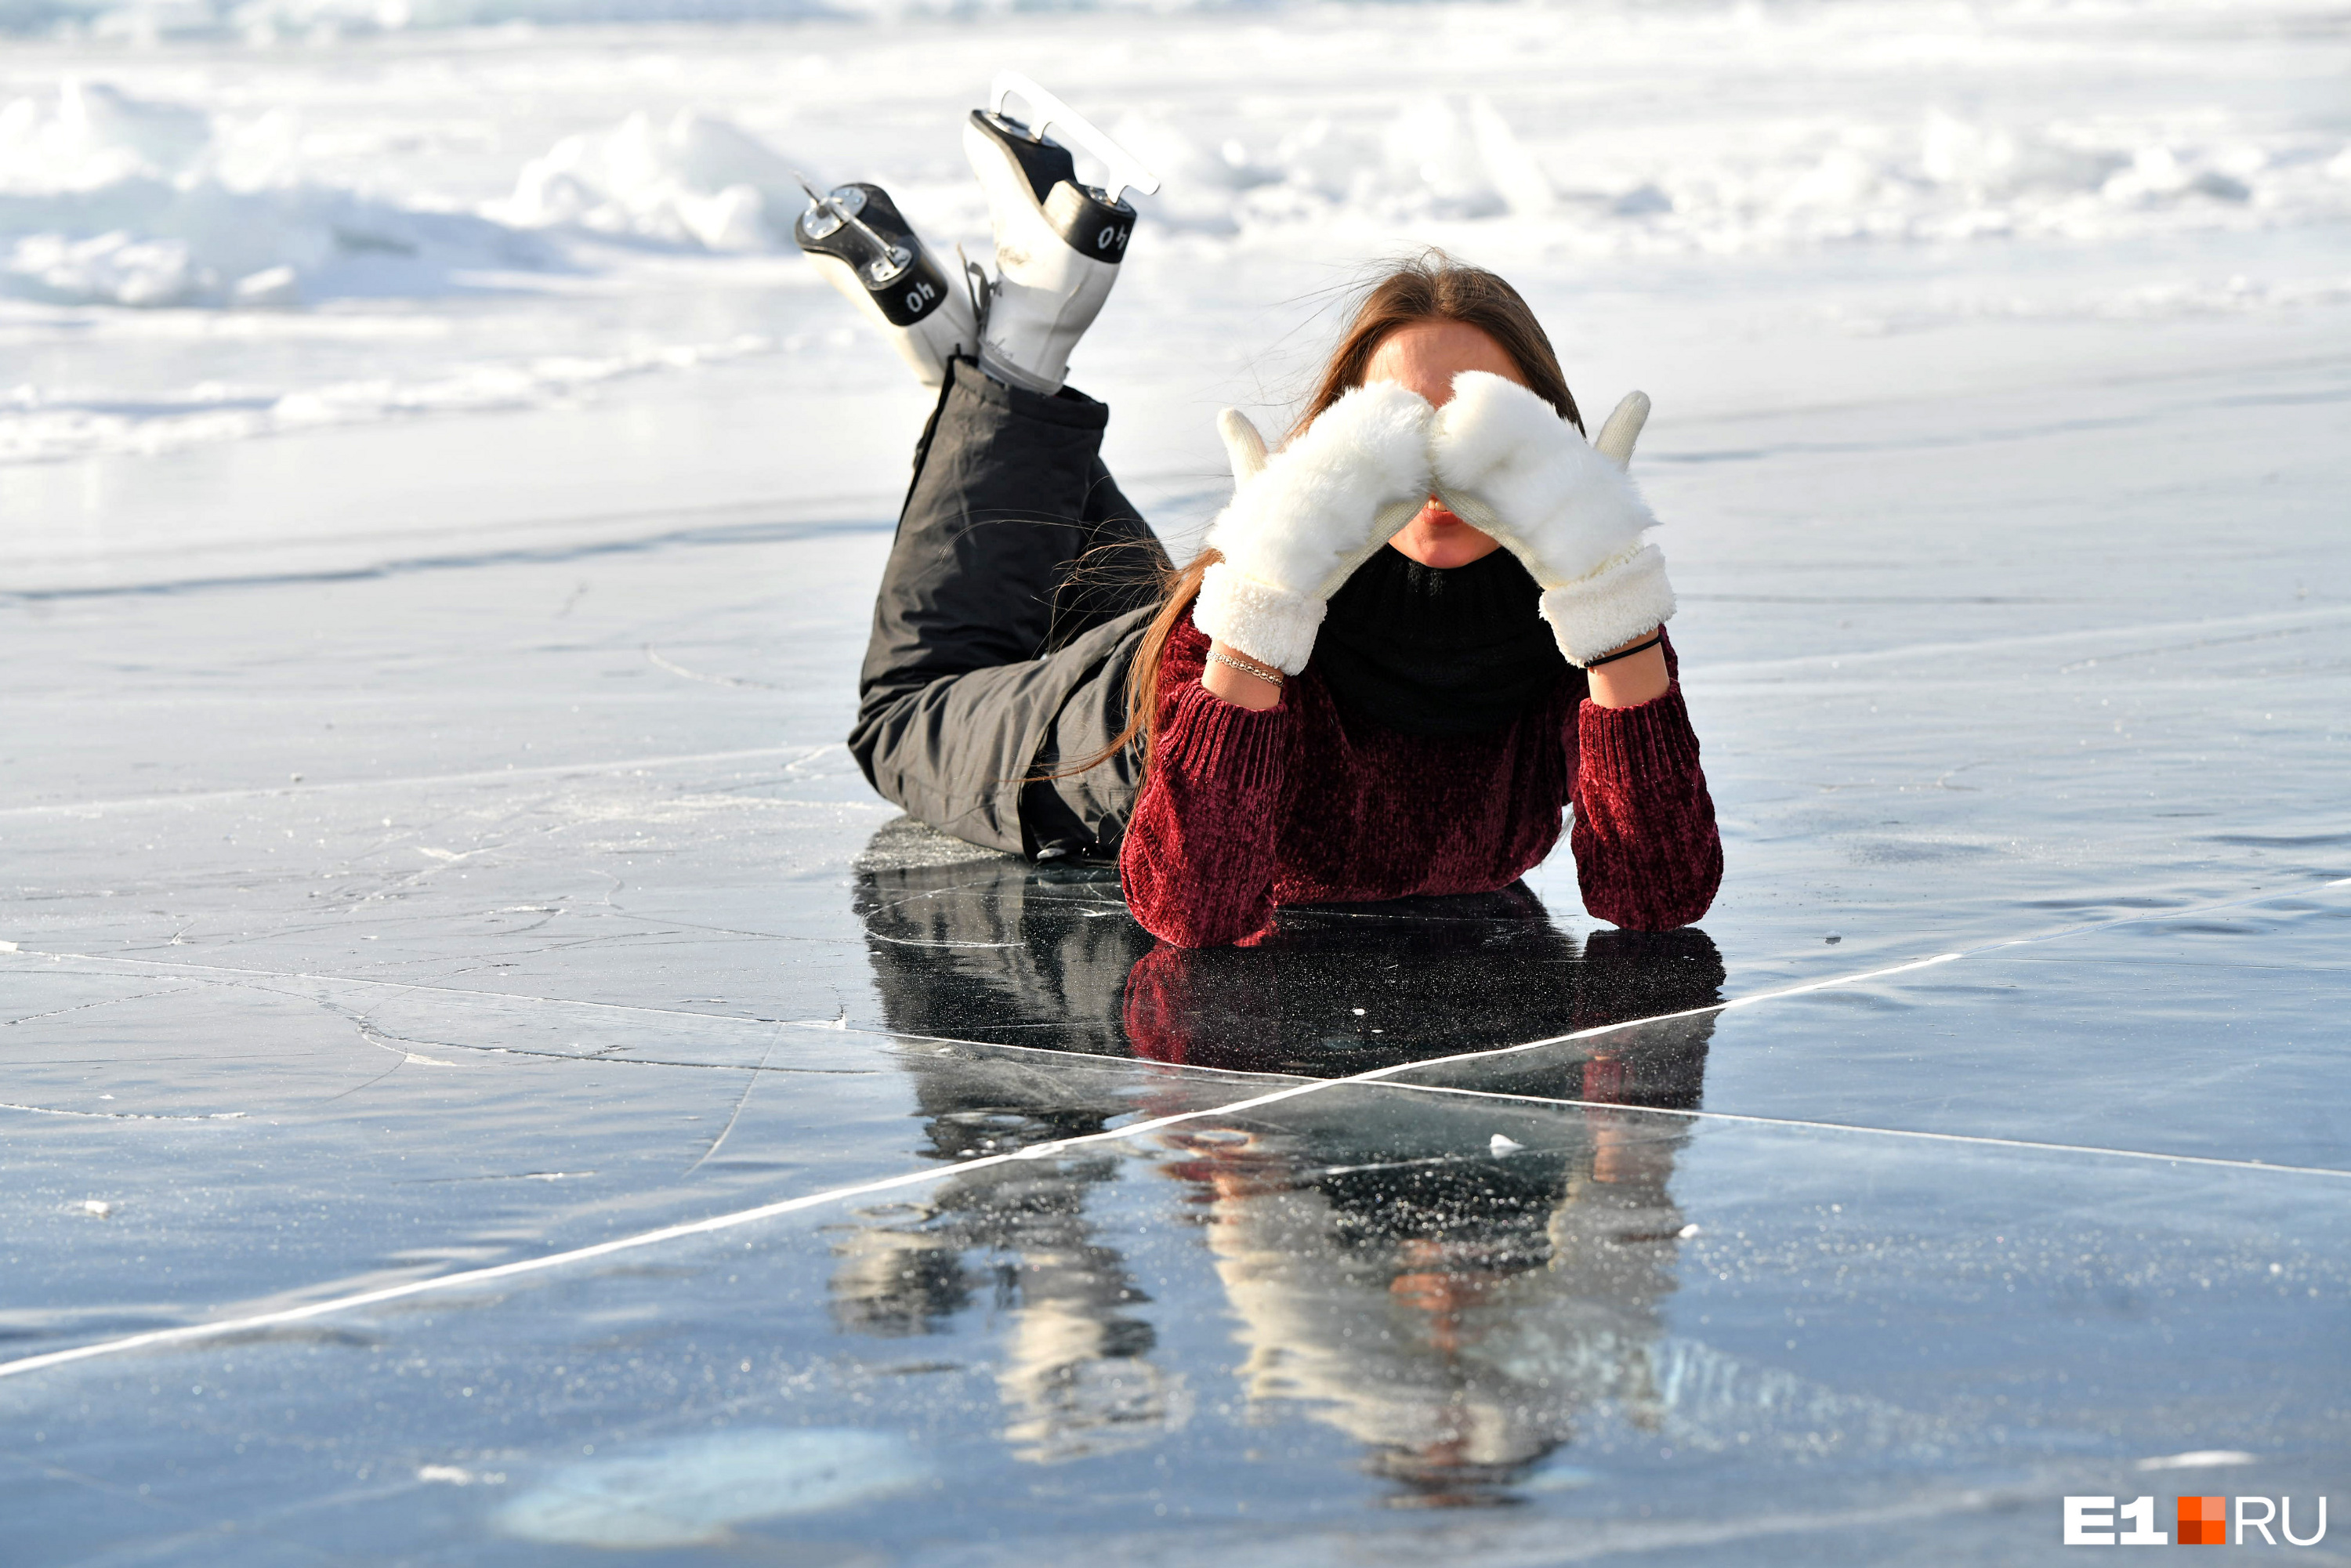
point(1430, 286)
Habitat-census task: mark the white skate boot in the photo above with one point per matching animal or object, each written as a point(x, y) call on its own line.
point(856, 237)
point(1058, 243)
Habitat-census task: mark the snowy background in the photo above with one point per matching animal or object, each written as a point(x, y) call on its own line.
point(558, 234)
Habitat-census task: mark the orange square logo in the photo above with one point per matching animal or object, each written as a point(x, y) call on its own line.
point(2203, 1521)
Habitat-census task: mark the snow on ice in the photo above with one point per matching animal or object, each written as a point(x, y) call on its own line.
point(214, 244)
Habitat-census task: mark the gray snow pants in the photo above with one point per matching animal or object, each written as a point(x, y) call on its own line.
point(1018, 586)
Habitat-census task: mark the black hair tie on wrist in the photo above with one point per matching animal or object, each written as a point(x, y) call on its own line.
point(1626, 652)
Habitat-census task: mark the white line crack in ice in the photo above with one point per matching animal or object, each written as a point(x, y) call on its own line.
point(191, 1333)
point(478, 775)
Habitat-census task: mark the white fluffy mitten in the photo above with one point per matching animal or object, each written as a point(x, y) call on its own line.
point(1506, 462)
point(1304, 519)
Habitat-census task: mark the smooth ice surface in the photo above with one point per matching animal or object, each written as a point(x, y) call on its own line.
point(691, 1492)
point(480, 1073)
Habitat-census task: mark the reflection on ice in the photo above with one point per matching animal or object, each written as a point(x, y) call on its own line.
point(1376, 1299)
point(1075, 1377)
point(1464, 1288)
point(691, 1491)
point(996, 949)
point(1466, 1319)
point(1460, 1301)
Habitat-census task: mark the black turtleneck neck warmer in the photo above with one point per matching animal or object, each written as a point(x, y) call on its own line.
point(1437, 653)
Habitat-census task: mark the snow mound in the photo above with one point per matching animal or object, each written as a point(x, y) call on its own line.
point(1560, 183)
point(108, 199)
point(696, 180)
point(113, 200)
point(153, 21)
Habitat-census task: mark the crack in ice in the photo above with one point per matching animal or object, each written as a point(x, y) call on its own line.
point(1383, 1076)
point(190, 1333)
point(123, 1116)
point(484, 775)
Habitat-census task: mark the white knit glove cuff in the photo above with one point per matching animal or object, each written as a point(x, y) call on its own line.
point(1608, 609)
point(1255, 620)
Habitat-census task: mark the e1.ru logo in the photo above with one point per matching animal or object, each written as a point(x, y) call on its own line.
point(2203, 1521)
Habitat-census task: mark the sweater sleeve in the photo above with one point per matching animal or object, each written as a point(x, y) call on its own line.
point(1197, 864)
point(1647, 855)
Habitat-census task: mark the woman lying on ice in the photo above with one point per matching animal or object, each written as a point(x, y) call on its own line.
point(1421, 630)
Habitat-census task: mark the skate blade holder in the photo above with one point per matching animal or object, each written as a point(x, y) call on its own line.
point(832, 211)
point(1124, 170)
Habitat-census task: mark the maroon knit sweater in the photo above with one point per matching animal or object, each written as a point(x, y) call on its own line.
point(1242, 812)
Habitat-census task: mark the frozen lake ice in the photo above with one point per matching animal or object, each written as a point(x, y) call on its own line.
point(485, 1081)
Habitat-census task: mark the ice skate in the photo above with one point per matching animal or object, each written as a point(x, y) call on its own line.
point(1058, 243)
point(855, 236)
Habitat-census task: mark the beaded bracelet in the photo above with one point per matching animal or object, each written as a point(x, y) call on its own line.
point(1626, 652)
point(1271, 677)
